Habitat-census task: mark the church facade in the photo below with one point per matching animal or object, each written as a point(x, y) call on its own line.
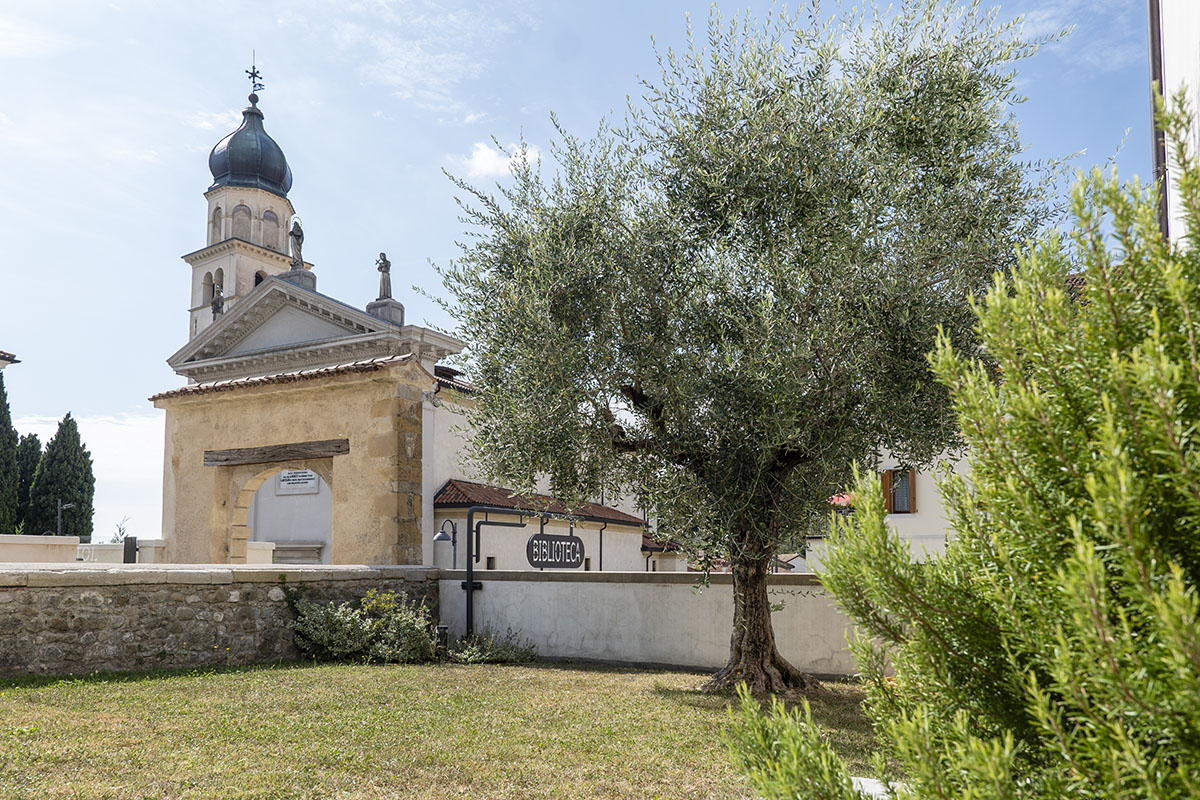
point(315, 431)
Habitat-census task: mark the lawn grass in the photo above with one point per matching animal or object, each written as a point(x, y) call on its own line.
point(355, 731)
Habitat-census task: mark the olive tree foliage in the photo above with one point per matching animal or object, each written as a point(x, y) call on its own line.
point(1054, 650)
point(724, 301)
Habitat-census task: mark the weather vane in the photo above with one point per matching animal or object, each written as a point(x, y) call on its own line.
point(255, 76)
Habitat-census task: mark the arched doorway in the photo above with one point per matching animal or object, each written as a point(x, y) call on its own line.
point(294, 509)
point(290, 504)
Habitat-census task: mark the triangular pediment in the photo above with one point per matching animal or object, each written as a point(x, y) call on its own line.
point(287, 327)
point(277, 318)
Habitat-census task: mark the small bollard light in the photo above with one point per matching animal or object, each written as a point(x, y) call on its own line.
point(443, 637)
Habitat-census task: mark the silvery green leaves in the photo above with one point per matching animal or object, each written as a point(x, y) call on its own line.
point(724, 301)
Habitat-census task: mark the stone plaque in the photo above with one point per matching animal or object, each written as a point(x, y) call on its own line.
point(297, 481)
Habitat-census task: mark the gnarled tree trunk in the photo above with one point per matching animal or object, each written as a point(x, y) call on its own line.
point(753, 659)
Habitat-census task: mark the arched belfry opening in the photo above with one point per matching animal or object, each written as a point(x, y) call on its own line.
point(271, 231)
point(241, 222)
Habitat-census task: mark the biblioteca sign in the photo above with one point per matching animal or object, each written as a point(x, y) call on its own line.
point(550, 551)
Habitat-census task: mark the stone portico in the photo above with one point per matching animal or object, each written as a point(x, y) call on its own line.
point(223, 440)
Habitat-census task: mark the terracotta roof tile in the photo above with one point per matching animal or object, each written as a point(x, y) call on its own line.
point(448, 377)
point(652, 545)
point(367, 365)
point(461, 494)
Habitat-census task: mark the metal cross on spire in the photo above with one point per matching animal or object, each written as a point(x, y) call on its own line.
point(254, 75)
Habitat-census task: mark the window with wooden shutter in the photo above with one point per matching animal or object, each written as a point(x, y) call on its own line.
point(899, 491)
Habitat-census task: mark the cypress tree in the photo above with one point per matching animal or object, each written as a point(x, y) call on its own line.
point(8, 466)
point(29, 453)
point(63, 473)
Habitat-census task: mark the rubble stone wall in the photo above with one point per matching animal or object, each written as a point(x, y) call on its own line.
point(69, 621)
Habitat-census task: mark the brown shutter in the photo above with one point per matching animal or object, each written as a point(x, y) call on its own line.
point(912, 491)
point(885, 478)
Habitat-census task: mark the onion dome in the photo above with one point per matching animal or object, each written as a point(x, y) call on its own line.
point(249, 157)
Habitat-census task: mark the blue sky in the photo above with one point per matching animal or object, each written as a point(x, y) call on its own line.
point(108, 112)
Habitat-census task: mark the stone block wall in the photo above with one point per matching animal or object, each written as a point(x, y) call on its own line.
point(70, 620)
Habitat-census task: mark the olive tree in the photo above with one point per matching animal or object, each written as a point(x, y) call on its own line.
point(722, 302)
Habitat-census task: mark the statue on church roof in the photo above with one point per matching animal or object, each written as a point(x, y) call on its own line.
point(385, 277)
point(297, 237)
point(218, 300)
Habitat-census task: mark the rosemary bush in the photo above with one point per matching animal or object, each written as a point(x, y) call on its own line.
point(1054, 650)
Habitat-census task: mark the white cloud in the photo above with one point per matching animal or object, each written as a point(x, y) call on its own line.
point(1108, 35)
point(423, 50)
point(22, 40)
point(212, 120)
point(486, 161)
point(473, 117)
point(127, 460)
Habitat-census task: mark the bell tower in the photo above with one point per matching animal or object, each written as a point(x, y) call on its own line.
point(248, 218)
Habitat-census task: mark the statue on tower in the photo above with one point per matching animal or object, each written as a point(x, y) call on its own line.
point(385, 277)
point(297, 237)
point(218, 301)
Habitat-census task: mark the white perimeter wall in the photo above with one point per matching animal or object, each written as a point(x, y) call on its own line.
point(658, 618)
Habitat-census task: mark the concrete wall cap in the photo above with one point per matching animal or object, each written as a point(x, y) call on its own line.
point(93, 577)
point(26, 538)
point(202, 576)
point(536, 576)
point(8, 578)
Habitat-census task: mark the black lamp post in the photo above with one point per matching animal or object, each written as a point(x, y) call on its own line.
point(452, 537)
point(61, 506)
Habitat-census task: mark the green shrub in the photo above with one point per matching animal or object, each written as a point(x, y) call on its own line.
point(489, 647)
point(383, 627)
point(403, 630)
point(1054, 650)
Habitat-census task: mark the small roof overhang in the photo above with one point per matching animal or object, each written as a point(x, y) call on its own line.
point(457, 493)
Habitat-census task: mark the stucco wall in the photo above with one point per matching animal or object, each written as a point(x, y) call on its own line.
point(444, 450)
point(924, 531)
point(150, 551)
point(60, 620)
point(661, 618)
point(622, 545)
point(27, 548)
point(445, 442)
point(376, 487)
